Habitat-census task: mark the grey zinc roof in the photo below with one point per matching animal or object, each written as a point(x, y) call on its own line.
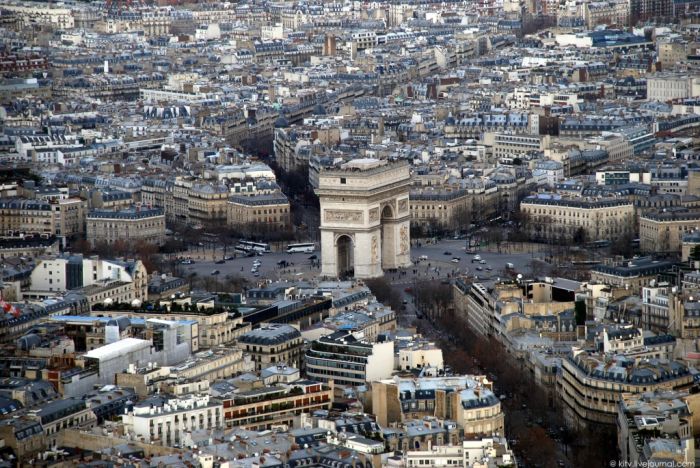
point(270, 334)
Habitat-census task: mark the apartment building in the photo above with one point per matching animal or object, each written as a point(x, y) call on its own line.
point(177, 202)
point(157, 193)
point(671, 52)
point(506, 307)
point(293, 146)
point(133, 225)
point(215, 328)
point(164, 420)
point(265, 211)
point(106, 199)
point(667, 310)
point(591, 383)
point(30, 246)
point(669, 86)
point(64, 414)
point(447, 207)
point(630, 274)
point(342, 358)
point(514, 145)
point(192, 375)
point(273, 344)
point(262, 407)
point(663, 231)
point(24, 435)
point(552, 217)
point(49, 15)
point(207, 203)
point(645, 10)
point(467, 400)
point(60, 217)
point(656, 428)
point(369, 321)
point(69, 272)
point(616, 145)
point(611, 12)
point(470, 453)
point(418, 355)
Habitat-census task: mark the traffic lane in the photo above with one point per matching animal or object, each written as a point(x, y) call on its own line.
point(456, 249)
point(242, 266)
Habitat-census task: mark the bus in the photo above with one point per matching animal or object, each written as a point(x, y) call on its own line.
point(301, 248)
point(248, 246)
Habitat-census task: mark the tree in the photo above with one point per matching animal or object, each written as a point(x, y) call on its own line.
point(536, 268)
point(433, 298)
point(580, 236)
point(461, 219)
point(623, 245)
point(494, 235)
point(384, 292)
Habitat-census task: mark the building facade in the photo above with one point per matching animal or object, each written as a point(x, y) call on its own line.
point(273, 344)
point(341, 358)
point(591, 384)
point(551, 218)
point(663, 231)
point(165, 421)
point(132, 225)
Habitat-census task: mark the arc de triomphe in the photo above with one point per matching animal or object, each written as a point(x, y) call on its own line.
point(365, 218)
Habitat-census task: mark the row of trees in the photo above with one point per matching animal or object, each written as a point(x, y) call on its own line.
point(385, 292)
point(433, 298)
point(147, 252)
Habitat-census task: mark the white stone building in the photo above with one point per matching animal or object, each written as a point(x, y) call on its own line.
point(166, 420)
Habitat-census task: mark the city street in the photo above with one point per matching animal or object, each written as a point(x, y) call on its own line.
point(437, 265)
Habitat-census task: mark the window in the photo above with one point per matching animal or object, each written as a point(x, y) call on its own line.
point(343, 180)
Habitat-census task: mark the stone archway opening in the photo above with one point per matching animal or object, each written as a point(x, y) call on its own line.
point(346, 260)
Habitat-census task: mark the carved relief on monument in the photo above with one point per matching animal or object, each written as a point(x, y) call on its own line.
point(374, 249)
point(403, 236)
point(403, 205)
point(374, 214)
point(332, 216)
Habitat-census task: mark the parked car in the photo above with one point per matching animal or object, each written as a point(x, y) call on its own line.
point(455, 260)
